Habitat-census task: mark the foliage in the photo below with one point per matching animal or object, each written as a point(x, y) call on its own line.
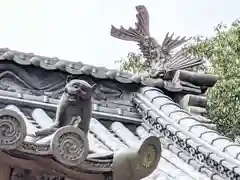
point(223, 52)
point(133, 63)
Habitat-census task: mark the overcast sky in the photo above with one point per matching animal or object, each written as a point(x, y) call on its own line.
point(78, 30)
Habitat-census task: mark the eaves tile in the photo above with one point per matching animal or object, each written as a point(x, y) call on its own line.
point(205, 145)
point(103, 140)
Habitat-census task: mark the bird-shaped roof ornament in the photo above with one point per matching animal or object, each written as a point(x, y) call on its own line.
point(159, 59)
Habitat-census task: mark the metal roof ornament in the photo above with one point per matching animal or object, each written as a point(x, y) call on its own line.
point(159, 59)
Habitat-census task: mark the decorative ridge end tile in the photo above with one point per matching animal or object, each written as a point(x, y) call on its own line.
point(143, 161)
point(13, 129)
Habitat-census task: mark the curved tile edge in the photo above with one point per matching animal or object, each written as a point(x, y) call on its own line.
point(137, 163)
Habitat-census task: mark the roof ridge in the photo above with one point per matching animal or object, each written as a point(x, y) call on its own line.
point(73, 68)
point(99, 72)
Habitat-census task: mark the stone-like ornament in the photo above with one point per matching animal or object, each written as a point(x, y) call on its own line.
point(66, 140)
point(159, 59)
point(75, 105)
point(12, 129)
point(135, 164)
point(70, 145)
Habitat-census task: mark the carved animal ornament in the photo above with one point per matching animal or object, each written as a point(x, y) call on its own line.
point(159, 59)
point(74, 108)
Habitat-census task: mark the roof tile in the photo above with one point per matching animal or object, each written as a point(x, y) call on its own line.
point(204, 140)
point(78, 68)
point(102, 139)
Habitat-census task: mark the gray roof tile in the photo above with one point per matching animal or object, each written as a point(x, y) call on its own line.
point(75, 68)
point(96, 145)
point(177, 158)
point(110, 113)
point(177, 121)
point(176, 161)
point(104, 140)
point(105, 136)
point(78, 68)
point(186, 120)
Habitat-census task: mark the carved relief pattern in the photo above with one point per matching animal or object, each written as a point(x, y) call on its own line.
point(194, 153)
point(12, 130)
point(69, 147)
point(23, 174)
point(137, 164)
point(35, 81)
point(35, 148)
point(19, 174)
point(97, 164)
point(104, 92)
point(150, 156)
point(29, 79)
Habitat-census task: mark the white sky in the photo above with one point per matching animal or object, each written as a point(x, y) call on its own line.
point(78, 30)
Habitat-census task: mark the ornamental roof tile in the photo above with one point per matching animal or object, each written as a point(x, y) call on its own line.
point(186, 121)
point(103, 139)
point(191, 148)
point(205, 145)
point(206, 152)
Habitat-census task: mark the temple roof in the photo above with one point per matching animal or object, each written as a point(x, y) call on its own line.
point(187, 143)
point(125, 120)
point(103, 138)
point(136, 120)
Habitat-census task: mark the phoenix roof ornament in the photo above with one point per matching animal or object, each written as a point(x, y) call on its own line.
point(159, 59)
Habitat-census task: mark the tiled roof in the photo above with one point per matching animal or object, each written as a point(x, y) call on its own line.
point(215, 152)
point(188, 143)
point(111, 113)
point(107, 139)
point(119, 137)
point(75, 68)
point(177, 129)
point(202, 81)
point(186, 121)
